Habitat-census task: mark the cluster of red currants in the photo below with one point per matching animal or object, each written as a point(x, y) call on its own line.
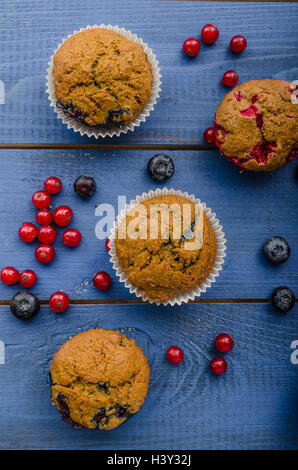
point(62, 216)
point(223, 343)
point(209, 35)
point(46, 234)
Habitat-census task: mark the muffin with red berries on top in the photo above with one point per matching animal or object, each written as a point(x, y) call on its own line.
point(256, 125)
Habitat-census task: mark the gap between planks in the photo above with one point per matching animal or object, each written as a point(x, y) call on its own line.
point(137, 301)
point(108, 147)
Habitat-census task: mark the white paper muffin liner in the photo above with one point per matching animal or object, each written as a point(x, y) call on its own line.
point(220, 255)
point(115, 130)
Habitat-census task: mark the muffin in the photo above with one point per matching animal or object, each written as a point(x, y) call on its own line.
point(256, 125)
point(99, 378)
point(165, 262)
point(101, 78)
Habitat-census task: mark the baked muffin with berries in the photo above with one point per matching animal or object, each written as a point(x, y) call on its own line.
point(166, 247)
point(99, 378)
point(101, 78)
point(256, 125)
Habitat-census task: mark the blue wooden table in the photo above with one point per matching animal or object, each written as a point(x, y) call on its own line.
point(255, 404)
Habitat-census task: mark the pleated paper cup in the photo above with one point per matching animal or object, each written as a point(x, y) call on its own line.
point(111, 131)
point(218, 230)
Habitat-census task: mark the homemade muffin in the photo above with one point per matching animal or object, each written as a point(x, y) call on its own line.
point(102, 78)
point(99, 378)
point(256, 125)
point(164, 267)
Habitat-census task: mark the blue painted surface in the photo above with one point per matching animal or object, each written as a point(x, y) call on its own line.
point(253, 406)
point(191, 91)
point(249, 206)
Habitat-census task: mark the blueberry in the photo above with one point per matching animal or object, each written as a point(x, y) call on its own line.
point(24, 305)
point(85, 186)
point(283, 299)
point(65, 413)
point(276, 250)
point(160, 167)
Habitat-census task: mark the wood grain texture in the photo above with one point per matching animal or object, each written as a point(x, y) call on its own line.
point(249, 206)
point(191, 89)
point(253, 406)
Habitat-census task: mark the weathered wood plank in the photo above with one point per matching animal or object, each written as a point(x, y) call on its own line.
point(191, 88)
point(250, 207)
point(254, 406)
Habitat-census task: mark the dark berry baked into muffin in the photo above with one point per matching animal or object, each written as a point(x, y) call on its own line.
point(99, 378)
point(163, 267)
point(102, 78)
point(256, 125)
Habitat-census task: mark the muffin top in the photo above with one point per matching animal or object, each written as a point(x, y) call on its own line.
point(102, 78)
point(256, 125)
point(167, 259)
point(98, 379)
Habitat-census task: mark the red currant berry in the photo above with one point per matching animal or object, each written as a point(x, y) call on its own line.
point(107, 244)
point(9, 275)
point(238, 44)
point(41, 199)
point(28, 278)
point(63, 216)
point(47, 234)
point(53, 185)
point(45, 254)
point(175, 354)
point(191, 47)
point(218, 365)
point(27, 232)
point(230, 78)
point(209, 135)
point(59, 302)
point(102, 280)
point(44, 217)
point(224, 343)
point(71, 237)
point(209, 33)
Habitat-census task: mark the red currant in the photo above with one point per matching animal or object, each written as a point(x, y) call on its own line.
point(224, 343)
point(191, 47)
point(102, 280)
point(28, 278)
point(238, 44)
point(175, 354)
point(53, 185)
point(27, 232)
point(209, 135)
point(9, 275)
point(59, 301)
point(47, 234)
point(230, 78)
point(44, 217)
point(107, 244)
point(209, 33)
point(45, 254)
point(41, 199)
point(63, 216)
point(71, 237)
point(218, 365)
